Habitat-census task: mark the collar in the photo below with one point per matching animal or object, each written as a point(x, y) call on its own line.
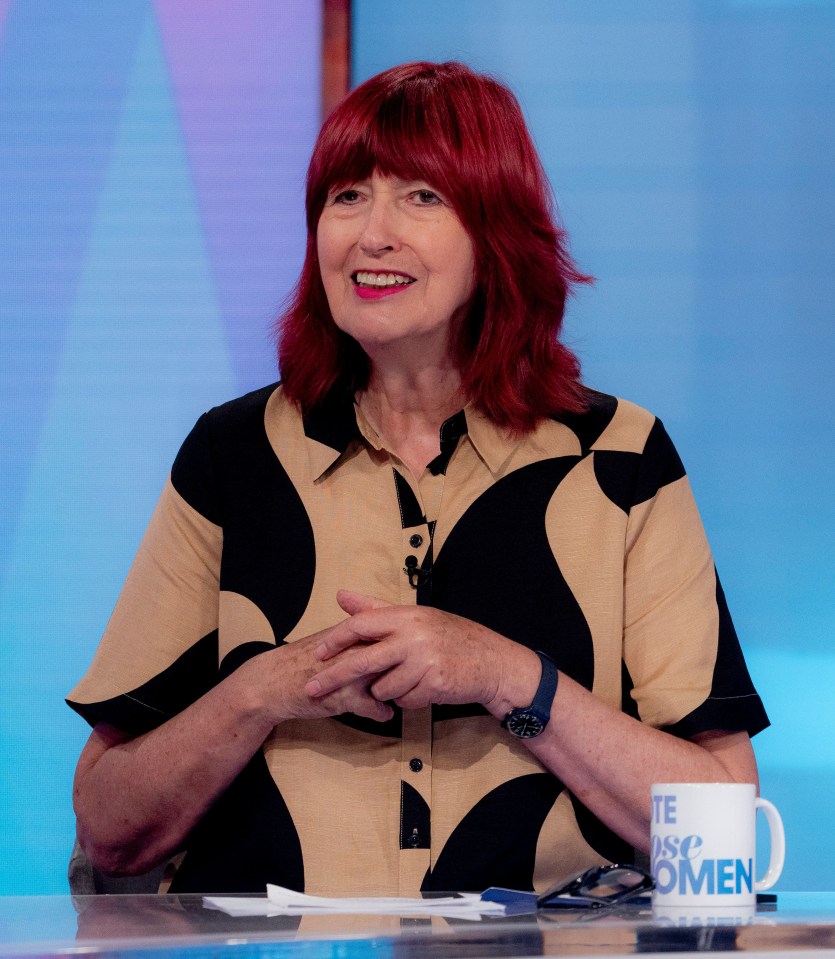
point(330, 429)
point(333, 427)
point(492, 443)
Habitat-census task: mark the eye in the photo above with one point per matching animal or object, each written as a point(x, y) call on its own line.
point(346, 197)
point(426, 198)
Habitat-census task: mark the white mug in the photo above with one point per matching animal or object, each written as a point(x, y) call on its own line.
point(692, 917)
point(703, 850)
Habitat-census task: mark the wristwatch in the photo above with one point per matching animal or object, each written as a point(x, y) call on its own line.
point(526, 722)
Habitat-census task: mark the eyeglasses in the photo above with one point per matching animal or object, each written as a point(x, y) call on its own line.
point(596, 887)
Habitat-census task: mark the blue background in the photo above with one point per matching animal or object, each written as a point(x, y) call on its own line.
point(691, 147)
point(152, 158)
point(152, 161)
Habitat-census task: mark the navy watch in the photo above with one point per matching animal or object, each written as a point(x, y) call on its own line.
point(526, 722)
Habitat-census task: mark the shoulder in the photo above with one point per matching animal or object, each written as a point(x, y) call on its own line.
point(611, 423)
point(634, 457)
point(243, 411)
point(238, 421)
point(223, 442)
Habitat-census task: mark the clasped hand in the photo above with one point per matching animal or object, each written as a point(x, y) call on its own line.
point(414, 656)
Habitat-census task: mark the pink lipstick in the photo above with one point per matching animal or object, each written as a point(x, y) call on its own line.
point(369, 293)
point(372, 285)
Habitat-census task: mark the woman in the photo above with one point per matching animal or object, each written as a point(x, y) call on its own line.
point(429, 614)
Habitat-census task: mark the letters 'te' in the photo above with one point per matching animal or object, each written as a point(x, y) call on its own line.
point(664, 809)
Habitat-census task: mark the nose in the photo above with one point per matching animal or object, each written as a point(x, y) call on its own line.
point(380, 233)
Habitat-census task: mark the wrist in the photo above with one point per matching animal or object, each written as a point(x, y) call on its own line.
point(528, 722)
point(520, 677)
point(251, 700)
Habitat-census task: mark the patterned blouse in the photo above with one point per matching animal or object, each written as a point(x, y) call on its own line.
point(580, 539)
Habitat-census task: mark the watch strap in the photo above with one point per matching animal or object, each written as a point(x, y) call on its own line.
point(526, 722)
point(547, 688)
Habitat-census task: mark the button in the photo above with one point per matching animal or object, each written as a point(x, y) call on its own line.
point(414, 839)
point(415, 540)
point(416, 765)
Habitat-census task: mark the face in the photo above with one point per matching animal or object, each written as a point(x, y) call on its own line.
point(397, 264)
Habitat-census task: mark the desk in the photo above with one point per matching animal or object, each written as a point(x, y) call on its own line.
point(178, 927)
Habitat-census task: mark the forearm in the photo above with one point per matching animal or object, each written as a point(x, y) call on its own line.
point(609, 760)
point(136, 800)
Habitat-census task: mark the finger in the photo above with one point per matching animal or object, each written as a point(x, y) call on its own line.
point(356, 664)
point(371, 708)
point(338, 638)
point(401, 681)
point(415, 699)
point(367, 626)
point(353, 602)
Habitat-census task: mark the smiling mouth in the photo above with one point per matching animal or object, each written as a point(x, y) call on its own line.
point(380, 281)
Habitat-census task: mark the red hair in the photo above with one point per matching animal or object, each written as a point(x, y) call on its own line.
point(464, 134)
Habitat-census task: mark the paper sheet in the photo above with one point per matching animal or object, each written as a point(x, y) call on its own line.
point(287, 902)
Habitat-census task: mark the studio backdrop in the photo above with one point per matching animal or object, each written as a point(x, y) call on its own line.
point(152, 159)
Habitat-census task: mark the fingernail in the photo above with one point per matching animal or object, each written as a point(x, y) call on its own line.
point(321, 651)
point(313, 688)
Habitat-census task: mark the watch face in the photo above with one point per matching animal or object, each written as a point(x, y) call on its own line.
point(524, 723)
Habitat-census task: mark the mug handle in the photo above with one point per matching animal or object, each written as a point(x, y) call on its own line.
point(778, 844)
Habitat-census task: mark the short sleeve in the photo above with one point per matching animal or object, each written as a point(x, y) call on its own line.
point(681, 653)
point(159, 650)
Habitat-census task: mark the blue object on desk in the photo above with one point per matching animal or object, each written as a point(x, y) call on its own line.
point(515, 901)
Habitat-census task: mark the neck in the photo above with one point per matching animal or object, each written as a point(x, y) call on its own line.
point(407, 410)
point(429, 395)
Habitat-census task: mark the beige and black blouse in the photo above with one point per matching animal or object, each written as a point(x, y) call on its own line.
point(580, 539)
